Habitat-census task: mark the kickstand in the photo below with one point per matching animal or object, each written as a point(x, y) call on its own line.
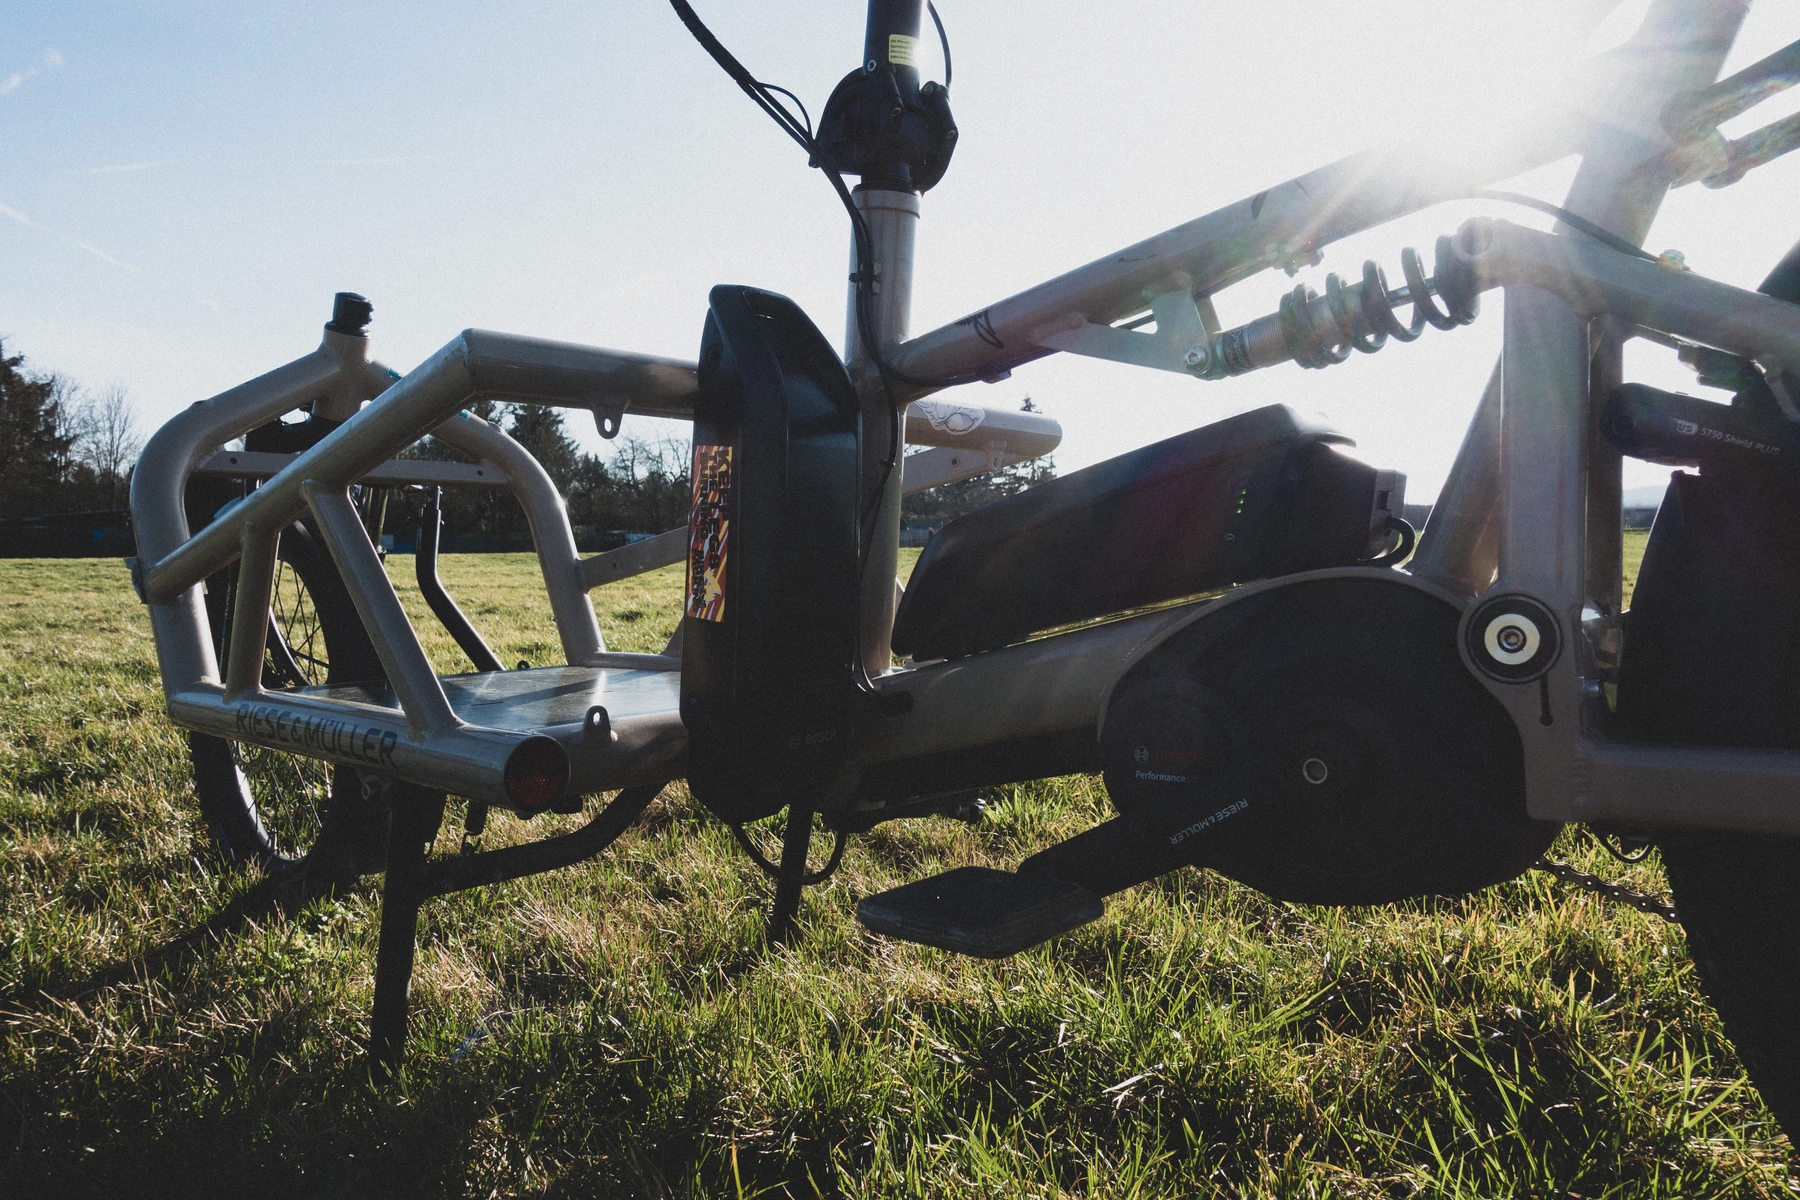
point(417, 813)
point(795, 841)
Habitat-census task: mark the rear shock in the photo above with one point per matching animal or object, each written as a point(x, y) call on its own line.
point(1320, 331)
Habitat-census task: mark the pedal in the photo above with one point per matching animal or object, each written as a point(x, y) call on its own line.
point(981, 911)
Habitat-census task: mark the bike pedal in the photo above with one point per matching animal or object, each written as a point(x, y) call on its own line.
point(980, 911)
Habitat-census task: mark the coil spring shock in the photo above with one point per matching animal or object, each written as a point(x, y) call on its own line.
point(1318, 332)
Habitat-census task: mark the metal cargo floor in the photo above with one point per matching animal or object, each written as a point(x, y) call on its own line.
point(648, 741)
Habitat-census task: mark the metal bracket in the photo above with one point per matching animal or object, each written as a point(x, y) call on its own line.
point(608, 415)
point(1185, 324)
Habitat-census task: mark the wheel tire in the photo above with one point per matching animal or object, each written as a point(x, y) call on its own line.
point(284, 812)
point(1739, 899)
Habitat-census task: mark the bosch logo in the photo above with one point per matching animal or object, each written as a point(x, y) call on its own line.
point(1141, 754)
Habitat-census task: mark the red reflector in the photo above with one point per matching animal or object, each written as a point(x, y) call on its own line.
point(536, 773)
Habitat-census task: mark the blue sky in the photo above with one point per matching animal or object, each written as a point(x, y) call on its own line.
point(186, 183)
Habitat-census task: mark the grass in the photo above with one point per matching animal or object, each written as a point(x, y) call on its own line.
point(170, 1028)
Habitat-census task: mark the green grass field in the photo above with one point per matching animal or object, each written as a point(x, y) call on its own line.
point(171, 1028)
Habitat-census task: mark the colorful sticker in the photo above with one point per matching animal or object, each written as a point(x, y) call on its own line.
point(902, 50)
point(709, 533)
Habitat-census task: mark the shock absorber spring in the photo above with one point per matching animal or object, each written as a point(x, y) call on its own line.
point(1318, 331)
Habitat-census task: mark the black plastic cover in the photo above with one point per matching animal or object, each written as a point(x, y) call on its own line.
point(1712, 640)
point(1254, 496)
point(769, 629)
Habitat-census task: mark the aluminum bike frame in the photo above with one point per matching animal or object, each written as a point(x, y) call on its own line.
point(1530, 508)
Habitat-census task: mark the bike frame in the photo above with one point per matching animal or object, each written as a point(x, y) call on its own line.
point(1531, 508)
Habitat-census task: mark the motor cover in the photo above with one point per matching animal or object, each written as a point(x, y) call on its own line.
point(1329, 745)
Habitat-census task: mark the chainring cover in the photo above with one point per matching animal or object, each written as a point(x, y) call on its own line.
point(1370, 764)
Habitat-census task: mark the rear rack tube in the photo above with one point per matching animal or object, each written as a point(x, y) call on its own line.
point(464, 760)
point(425, 742)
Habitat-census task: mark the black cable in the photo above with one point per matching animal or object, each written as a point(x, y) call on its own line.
point(774, 87)
point(1408, 539)
point(742, 77)
point(773, 871)
point(1579, 224)
point(865, 249)
point(943, 40)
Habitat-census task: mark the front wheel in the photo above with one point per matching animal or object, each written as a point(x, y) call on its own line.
point(266, 808)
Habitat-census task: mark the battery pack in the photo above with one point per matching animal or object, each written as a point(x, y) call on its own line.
point(1254, 496)
point(769, 627)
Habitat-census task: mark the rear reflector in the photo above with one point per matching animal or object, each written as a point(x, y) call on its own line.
point(536, 774)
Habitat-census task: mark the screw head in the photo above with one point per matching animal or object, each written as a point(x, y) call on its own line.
point(1315, 771)
point(1512, 638)
point(1196, 358)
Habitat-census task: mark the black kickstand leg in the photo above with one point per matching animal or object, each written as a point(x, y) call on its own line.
point(417, 815)
point(795, 841)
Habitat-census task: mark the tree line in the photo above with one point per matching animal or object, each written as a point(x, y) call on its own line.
point(63, 447)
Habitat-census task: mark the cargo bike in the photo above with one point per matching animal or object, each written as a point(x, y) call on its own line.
point(1277, 677)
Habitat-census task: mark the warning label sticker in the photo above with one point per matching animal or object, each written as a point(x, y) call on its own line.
point(709, 533)
point(902, 50)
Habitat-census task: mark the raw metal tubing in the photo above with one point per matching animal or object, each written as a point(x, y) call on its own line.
point(1594, 280)
point(474, 364)
point(425, 744)
point(1677, 43)
point(464, 760)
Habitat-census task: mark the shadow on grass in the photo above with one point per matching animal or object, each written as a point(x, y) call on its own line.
point(272, 896)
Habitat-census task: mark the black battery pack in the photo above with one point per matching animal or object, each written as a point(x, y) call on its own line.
point(769, 627)
point(1254, 496)
point(1685, 431)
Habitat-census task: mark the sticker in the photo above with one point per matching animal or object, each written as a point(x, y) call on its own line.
point(709, 533)
point(902, 50)
point(950, 418)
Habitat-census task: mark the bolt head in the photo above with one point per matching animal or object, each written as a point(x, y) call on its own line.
point(1195, 358)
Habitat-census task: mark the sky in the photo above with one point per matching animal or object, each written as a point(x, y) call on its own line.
point(186, 184)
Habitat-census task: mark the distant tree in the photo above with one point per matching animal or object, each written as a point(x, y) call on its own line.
point(642, 488)
point(539, 428)
point(106, 443)
point(35, 450)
